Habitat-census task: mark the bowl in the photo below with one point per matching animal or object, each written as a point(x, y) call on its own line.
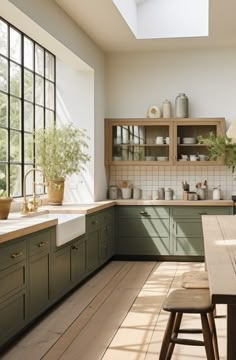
point(189, 140)
point(149, 158)
point(162, 158)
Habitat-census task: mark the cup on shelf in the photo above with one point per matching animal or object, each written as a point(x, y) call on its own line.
point(193, 157)
point(184, 157)
point(159, 140)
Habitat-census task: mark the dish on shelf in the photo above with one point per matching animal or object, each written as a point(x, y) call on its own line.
point(150, 158)
point(117, 158)
point(162, 158)
point(189, 140)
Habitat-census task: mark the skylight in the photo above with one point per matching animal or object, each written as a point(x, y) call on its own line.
point(153, 19)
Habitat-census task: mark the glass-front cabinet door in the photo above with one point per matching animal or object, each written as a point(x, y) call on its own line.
point(139, 141)
point(187, 148)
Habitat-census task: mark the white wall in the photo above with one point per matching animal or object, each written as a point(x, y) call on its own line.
point(50, 26)
point(134, 81)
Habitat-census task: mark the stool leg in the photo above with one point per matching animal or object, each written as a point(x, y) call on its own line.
point(167, 336)
point(176, 327)
point(207, 337)
point(214, 335)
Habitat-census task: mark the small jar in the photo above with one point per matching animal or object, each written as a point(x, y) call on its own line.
point(113, 192)
point(168, 194)
point(181, 106)
point(136, 193)
point(216, 194)
point(166, 109)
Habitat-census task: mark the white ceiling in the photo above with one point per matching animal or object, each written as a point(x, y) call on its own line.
point(101, 20)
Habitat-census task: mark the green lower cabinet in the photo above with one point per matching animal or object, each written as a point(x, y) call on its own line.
point(13, 315)
point(92, 250)
point(39, 283)
point(134, 245)
point(78, 264)
point(105, 243)
point(60, 272)
point(188, 237)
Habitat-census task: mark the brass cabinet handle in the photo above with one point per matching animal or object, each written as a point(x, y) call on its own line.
point(202, 213)
point(95, 222)
point(16, 255)
point(74, 247)
point(42, 244)
point(144, 213)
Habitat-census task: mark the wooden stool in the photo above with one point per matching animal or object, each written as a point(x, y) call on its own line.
point(195, 280)
point(194, 301)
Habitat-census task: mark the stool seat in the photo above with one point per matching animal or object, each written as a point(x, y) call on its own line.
point(195, 280)
point(191, 301)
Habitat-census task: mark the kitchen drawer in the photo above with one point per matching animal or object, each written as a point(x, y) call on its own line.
point(193, 246)
point(94, 222)
point(12, 253)
point(142, 212)
point(143, 246)
point(39, 242)
point(188, 228)
point(12, 279)
point(198, 211)
point(145, 227)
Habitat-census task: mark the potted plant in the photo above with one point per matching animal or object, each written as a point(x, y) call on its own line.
point(60, 152)
point(219, 146)
point(5, 201)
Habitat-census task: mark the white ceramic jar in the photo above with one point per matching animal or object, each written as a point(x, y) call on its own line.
point(181, 106)
point(216, 194)
point(166, 109)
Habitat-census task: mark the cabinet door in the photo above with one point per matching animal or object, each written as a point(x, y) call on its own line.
point(188, 237)
point(134, 245)
point(12, 280)
point(13, 315)
point(105, 243)
point(39, 285)
point(138, 141)
point(187, 149)
point(92, 250)
point(61, 271)
point(78, 264)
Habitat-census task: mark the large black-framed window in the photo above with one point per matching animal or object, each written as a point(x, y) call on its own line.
point(27, 102)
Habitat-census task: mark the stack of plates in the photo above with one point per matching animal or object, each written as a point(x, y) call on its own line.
point(189, 140)
point(149, 158)
point(162, 158)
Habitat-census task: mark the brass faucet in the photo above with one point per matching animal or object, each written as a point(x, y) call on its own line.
point(34, 203)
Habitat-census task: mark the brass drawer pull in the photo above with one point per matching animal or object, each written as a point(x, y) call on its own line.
point(95, 222)
point(202, 213)
point(16, 255)
point(42, 244)
point(144, 213)
point(74, 247)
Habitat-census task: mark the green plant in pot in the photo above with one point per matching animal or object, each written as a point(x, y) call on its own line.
point(221, 146)
point(5, 201)
point(60, 152)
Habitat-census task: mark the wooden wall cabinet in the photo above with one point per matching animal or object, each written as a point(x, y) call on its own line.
point(159, 141)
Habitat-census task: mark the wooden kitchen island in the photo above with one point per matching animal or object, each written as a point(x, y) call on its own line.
point(220, 256)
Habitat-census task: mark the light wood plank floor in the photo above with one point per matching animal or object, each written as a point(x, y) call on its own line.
point(116, 315)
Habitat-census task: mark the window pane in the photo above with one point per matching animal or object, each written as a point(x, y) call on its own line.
point(3, 110)
point(49, 66)
point(15, 113)
point(28, 148)
point(39, 179)
point(28, 53)
point(39, 90)
point(3, 145)
point(15, 180)
point(15, 45)
point(3, 38)
point(28, 116)
point(39, 60)
point(15, 79)
point(28, 85)
point(39, 117)
point(49, 95)
point(49, 118)
point(15, 146)
point(3, 177)
point(3, 74)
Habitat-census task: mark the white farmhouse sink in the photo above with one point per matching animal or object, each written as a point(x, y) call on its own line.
point(69, 226)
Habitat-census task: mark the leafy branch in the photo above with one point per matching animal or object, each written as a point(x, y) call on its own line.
point(219, 146)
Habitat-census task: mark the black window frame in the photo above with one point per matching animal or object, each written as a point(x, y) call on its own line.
point(45, 110)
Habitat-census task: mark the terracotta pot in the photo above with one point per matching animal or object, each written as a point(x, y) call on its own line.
point(5, 204)
point(56, 191)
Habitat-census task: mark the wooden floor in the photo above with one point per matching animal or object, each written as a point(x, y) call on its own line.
point(116, 315)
